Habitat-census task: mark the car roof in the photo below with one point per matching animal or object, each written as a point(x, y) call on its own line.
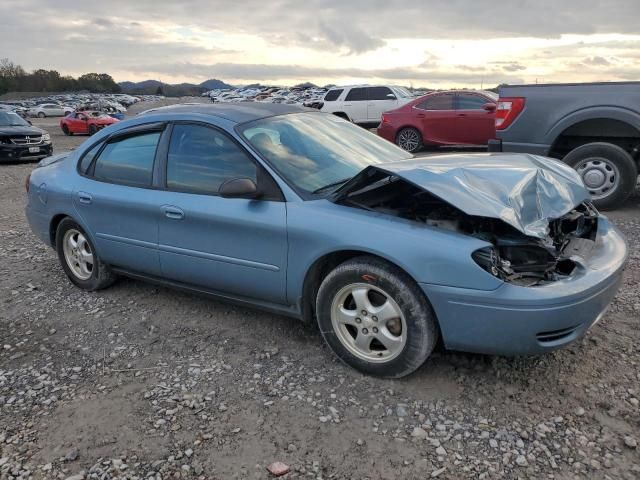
point(234, 112)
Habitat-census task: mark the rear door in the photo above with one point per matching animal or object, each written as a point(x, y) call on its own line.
point(380, 99)
point(355, 104)
point(115, 199)
point(474, 124)
point(229, 245)
point(437, 115)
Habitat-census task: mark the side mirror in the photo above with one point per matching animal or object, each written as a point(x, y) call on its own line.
point(391, 96)
point(239, 188)
point(489, 107)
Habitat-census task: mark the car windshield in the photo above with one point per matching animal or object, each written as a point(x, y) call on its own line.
point(316, 153)
point(11, 119)
point(403, 92)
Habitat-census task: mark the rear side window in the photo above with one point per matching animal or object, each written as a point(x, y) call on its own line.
point(332, 95)
point(470, 102)
point(201, 159)
point(128, 160)
point(380, 93)
point(437, 102)
point(356, 95)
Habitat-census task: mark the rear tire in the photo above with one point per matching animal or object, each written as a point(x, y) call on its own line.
point(92, 129)
point(607, 170)
point(41, 115)
point(375, 318)
point(79, 258)
point(342, 115)
point(409, 139)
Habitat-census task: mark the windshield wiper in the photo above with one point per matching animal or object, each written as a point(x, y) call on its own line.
point(334, 184)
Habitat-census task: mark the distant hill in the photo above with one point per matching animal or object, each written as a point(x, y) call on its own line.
point(214, 83)
point(150, 87)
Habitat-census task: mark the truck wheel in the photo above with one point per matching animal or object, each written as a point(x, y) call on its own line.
point(607, 170)
point(342, 115)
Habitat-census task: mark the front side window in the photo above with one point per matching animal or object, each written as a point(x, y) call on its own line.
point(380, 93)
point(332, 95)
point(356, 95)
point(128, 160)
point(436, 102)
point(470, 102)
point(201, 159)
point(316, 152)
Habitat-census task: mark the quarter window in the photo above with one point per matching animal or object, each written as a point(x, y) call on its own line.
point(471, 102)
point(201, 159)
point(128, 160)
point(356, 95)
point(332, 95)
point(437, 102)
point(88, 157)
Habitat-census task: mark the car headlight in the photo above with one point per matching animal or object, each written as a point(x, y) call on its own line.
point(46, 137)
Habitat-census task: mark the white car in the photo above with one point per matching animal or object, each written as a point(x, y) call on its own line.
point(49, 110)
point(364, 104)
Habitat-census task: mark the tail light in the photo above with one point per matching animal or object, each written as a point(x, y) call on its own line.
point(507, 111)
point(27, 182)
point(385, 119)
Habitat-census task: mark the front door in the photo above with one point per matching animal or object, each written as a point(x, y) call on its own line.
point(380, 100)
point(475, 124)
point(228, 245)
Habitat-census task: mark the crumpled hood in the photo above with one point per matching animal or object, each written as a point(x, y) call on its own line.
point(525, 191)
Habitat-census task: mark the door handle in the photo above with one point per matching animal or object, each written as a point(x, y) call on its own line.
point(84, 197)
point(174, 213)
point(462, 114)
point(420, 115)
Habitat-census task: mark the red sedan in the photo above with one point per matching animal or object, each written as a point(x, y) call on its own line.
point(85, 122)
point(442, 118)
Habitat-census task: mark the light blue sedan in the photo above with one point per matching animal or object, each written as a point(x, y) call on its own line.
point(302, 213)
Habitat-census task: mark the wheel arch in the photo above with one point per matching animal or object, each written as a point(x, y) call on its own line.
point(55, 222)
point(319, 269)
point(614, 125)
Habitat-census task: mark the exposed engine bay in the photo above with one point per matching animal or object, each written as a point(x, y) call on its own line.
point(514, 257)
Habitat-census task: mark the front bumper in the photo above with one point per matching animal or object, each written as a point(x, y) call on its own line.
point(14, 153)
point(515, 320)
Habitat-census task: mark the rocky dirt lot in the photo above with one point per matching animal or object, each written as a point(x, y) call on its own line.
point(138, 381)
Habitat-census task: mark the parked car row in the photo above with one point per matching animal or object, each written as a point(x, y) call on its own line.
point(306, 96)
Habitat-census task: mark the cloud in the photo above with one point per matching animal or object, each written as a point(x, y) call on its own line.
point(596, 60)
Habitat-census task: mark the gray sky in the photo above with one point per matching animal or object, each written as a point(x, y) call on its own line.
point(425, 43)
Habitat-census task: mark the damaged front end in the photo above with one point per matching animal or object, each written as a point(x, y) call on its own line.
point(527, 253)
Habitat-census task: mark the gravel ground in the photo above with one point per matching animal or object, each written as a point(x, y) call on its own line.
point(139, 381)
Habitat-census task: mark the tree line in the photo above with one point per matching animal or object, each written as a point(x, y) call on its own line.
point(13, 78)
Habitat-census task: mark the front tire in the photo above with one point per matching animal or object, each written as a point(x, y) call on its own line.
point(65, 130)
point(79, 258)
point(607, 170)
point(375, 318)
point(409, 139)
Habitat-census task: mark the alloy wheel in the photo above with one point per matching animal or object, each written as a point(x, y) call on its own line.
point(368, 322)
point(409, 140)
point(77, 254)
